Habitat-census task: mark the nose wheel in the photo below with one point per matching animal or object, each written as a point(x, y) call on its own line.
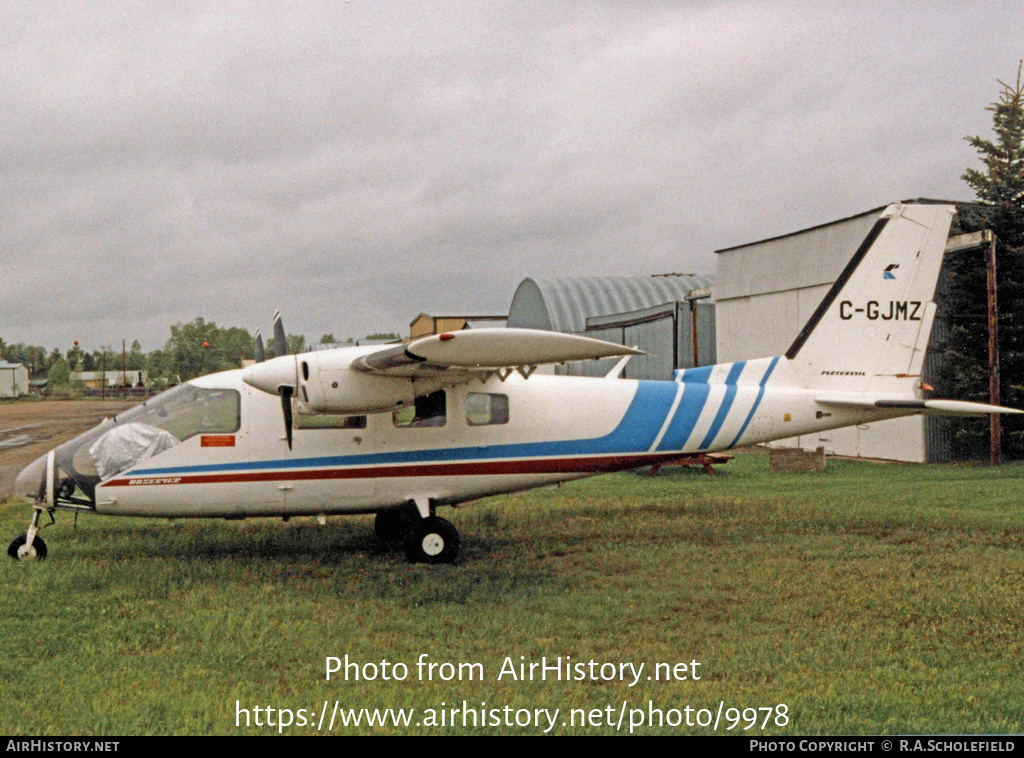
point(29, 544)
point(22, 549)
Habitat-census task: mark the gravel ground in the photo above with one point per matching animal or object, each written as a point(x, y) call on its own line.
point(29, 429)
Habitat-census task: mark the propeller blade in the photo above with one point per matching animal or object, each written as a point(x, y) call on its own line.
point(286, 406)
point(261, 353)
point(280, 340)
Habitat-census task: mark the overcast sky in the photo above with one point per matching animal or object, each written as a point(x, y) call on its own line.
point(356, 163)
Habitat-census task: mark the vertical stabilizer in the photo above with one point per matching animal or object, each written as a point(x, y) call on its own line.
point(870, 331)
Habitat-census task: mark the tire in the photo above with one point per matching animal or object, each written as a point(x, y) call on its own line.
point(392, 525)
point(18, 550)
point(432, 540)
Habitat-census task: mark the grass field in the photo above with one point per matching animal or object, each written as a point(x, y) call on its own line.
point(868, 599)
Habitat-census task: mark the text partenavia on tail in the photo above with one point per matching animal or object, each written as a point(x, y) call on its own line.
point(402, 429)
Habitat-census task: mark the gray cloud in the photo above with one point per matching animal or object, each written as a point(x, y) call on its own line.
point(356, 163)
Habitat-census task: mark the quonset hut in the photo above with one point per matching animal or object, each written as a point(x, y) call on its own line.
point(670, 317)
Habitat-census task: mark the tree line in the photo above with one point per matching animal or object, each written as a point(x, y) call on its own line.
point(196, 348)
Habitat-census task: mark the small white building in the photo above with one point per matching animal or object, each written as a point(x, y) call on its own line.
point(13, 379)
point(110, 378)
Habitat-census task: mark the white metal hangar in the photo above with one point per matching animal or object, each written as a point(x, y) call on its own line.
point(766, 291)
point(670, 317)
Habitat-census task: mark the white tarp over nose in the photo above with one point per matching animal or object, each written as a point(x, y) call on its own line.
point(127, 445)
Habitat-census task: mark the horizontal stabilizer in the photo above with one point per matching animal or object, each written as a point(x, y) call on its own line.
point(489, 350)
point(929, 407)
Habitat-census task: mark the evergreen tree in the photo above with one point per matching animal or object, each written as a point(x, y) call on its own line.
point(59, 374)
point(1000, 190)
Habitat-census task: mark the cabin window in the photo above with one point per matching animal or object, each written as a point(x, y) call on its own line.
point(486, 409)
point(428, 410)
point(329, 421)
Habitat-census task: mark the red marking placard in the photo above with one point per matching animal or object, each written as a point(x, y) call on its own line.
point(217, 440)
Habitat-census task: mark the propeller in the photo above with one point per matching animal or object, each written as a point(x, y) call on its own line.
point(280, 340)
point(261, 353)
point(277, 376)
point(286, 391)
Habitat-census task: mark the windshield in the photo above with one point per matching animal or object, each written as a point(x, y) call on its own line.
point(186, 411)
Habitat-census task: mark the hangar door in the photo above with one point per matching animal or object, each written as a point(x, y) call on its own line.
point(666, 333)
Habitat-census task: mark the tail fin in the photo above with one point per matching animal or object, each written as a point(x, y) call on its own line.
point(870, 332)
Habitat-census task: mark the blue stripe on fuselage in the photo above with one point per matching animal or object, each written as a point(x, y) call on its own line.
point(757, 401)
point(726, 406)
point(635, 433)
point(695, 397)
point(700, 375)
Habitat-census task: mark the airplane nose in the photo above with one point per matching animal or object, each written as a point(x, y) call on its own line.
point(27, 482)
point(270, 375)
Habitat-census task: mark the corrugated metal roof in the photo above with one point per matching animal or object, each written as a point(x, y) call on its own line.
point(812, 257)
point(873, 212)
point(563, 304)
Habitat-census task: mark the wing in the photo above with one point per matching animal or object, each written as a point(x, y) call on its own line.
point(485, 351)
point(367, 380)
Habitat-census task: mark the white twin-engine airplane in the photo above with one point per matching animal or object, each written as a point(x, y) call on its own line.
point(445, 419)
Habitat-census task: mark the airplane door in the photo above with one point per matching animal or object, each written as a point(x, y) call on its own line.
point(335, 453)
point(319, 474)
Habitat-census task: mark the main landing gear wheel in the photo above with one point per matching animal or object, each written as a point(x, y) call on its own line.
point(392, 525)
point(432, 540)
point(19, 549)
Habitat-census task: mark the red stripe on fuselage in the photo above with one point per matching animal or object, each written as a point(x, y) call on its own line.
point(593, 465)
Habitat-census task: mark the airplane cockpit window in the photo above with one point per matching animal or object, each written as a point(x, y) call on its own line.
point(486, 408)
point(187, 410)
point(429, 410)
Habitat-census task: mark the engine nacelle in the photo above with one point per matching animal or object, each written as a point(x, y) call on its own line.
point(327, 383)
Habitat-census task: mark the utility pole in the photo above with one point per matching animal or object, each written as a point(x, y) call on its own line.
point(995, 425)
